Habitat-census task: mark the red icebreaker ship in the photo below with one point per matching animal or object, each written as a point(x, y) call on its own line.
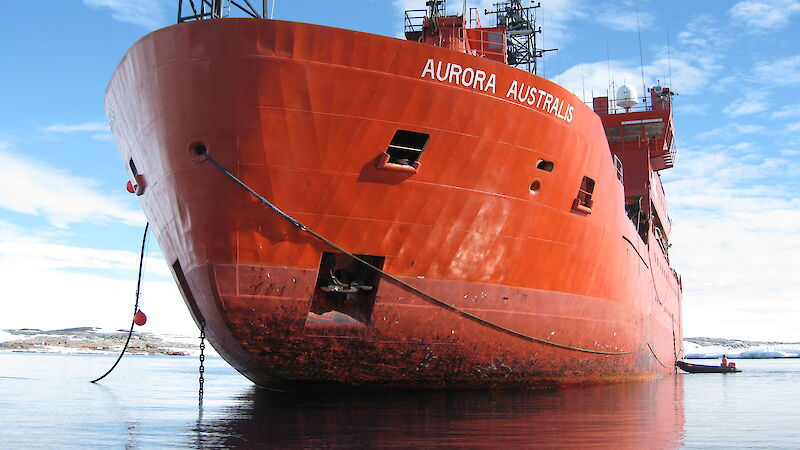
point(449, 219)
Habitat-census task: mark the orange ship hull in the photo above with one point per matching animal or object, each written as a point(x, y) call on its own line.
point(303, 114)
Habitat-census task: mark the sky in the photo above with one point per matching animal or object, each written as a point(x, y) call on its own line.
point(70, 234)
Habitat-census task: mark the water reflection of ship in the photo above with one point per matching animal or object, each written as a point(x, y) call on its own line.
point(634, 415)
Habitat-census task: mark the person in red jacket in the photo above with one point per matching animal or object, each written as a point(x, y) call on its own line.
point(724, 361)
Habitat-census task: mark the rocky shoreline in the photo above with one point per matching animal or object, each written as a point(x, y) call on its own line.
point(94, 340)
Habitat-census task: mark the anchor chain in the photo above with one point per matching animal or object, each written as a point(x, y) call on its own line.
point(202, 360)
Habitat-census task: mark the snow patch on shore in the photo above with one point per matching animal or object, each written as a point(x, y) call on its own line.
point(5, 336)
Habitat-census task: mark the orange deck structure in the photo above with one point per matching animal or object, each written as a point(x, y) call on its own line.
point(486, 187)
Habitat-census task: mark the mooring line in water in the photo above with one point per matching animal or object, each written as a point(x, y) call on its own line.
point(458, 310)
point(656, 357)
point(136, 306)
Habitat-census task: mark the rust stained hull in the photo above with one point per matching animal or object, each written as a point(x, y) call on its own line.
point(302, 114)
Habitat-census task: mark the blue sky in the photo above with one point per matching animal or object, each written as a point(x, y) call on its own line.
point(70, 234)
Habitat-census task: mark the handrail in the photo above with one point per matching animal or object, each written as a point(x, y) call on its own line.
point(414, 23)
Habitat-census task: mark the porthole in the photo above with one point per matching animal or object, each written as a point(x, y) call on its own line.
point(545, 165)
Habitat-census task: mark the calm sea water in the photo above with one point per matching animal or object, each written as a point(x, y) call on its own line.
point(46, 401)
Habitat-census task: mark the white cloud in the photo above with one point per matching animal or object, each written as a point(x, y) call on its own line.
point(793, 127)
point(749, 104)
point(88, 127)
point(622, 19)
point(765, 15)
point(690, 74)
point(555, 17)
point(41, 288)
point(76, 128)
point(405, 5)
point(781, 72)
point(736, 216)
point(694, 58)
point(102, 137)
point(594, 78)
point(52, 299)
point(146, 13)
point(40, 251)
point(732, 131)
point(764, 78)
point(689, 68)
point(703, 37)
point(692, 108)
point(786, 111)
point(28, 186)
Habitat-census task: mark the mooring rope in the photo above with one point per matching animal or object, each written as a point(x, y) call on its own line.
point(135, 307)
point(436, 300)
point(656, 357)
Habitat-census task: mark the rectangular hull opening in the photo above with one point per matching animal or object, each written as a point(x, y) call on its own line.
point(344, 295)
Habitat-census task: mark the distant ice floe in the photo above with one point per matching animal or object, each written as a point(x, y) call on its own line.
point(696, 351)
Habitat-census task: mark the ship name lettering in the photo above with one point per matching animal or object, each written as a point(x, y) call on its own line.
point(456, 74)
point(470, 77)
point(540, 99)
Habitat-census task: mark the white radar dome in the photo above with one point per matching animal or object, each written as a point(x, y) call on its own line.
point(627, 96)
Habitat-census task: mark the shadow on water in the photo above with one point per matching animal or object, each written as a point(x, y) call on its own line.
point(636, 415)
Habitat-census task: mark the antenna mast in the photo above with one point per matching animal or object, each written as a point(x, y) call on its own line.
point(216, 9)
point(520, 22)
point(641, 58)
point(436, 8)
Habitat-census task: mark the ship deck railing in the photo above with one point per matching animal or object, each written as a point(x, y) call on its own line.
point(613, 108)
point(414, 20)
